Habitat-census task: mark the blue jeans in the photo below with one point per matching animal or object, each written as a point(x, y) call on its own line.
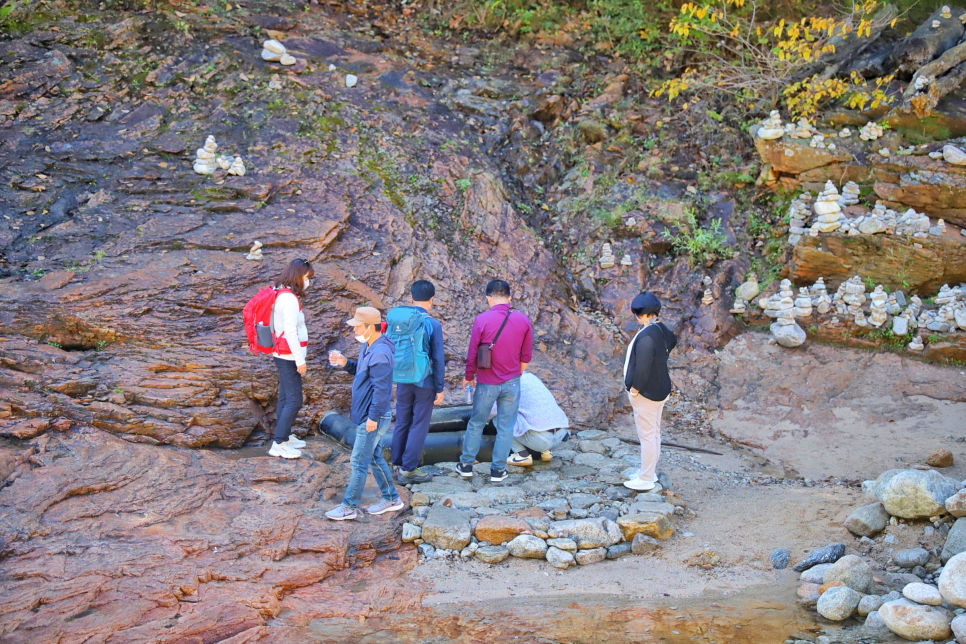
point(289, 398)
point(507, 399)
point(366, 452)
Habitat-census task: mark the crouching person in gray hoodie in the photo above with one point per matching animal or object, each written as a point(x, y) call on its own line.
point(371, 394)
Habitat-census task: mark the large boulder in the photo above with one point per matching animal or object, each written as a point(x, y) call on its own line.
point(446, 528)
point(497, 528)
point(916, 622)
point(955, 541)
point(560, 558)
point(527, 546)
point(956, 504)
point(788, 335)
point(923, 594)
point(867, 521)
point(650, 524)
point(959, 629)
point(851, 571)
point(838, 603)
point(952, 581)
point(917, 494)
point(588, 533)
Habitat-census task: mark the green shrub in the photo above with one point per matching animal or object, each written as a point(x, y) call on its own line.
point(701, 245)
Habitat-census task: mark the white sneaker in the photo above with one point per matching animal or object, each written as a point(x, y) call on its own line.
point(295, 442)
point(637, 484)
point(283, 450)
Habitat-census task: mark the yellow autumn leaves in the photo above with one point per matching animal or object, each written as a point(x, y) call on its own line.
point(748, 57)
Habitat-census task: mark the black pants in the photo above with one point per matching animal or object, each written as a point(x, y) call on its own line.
point(414, 409)
point(289, 398)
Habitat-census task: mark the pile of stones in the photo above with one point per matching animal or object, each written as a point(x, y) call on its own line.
point(570, 511)
point(920, 594)
point(851, 302)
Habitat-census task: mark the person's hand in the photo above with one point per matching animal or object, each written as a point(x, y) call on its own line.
point(371, 425)
point(467, 383)
point(633, 392)
point(336, 359)
point(301, 369)
point(439, 398)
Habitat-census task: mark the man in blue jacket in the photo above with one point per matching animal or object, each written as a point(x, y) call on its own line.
point(415, 401)
point(371, 394)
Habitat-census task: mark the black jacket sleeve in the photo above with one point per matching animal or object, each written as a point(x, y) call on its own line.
point(350, 367)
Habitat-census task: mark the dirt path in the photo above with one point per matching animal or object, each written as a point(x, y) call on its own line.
point(738, 516)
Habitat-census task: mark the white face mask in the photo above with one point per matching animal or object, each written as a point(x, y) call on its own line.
point(362, 338)
point(308, 283)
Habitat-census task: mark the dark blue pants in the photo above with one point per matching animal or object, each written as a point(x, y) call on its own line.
point(289, 398)
point(414, 408)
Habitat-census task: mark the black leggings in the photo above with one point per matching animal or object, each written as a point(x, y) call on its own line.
point(289, 398)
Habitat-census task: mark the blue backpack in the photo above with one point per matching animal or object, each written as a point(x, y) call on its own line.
point(405, 326)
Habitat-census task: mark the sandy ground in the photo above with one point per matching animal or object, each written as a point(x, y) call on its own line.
point(872, 425)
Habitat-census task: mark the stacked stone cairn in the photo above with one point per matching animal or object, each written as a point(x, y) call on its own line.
point(786, 331)
point(771, 128)
point(850, 194)
point(798, 213)
point(255, 252)
point(803, 303)
point(820, 299)
point(570, 511)
point(607, 259)
point(916, 344)
point(745, 293)
point(205, 162)
point(829, 211)
point(871, 131)
point(916, 593)
point(274, 52)
point(878, 314)
point(707, 299)
point(912, 223)
point(801, 130)
point(939, 229)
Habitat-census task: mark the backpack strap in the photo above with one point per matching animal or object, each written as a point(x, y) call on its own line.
point(271, 318)
point(505, 320)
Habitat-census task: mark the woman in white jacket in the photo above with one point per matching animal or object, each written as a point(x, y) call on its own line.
point(291, 340)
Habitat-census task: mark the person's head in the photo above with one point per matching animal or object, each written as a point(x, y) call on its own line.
point(423, 292)
point(366, 324)
point(297, 276)
point(646, 307)
point(497, 292)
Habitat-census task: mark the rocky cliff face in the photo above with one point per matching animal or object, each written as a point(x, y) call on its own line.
point(125, 272)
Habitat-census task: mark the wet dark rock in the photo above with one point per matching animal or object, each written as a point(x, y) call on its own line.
point(780, 558)
point(826, 554)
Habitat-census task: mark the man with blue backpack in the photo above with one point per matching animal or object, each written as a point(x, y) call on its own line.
point(419, 376)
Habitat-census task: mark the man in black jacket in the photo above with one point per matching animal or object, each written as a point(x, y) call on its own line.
point(648, 384)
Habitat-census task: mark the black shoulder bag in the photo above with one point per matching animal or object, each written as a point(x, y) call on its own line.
point(484, 352)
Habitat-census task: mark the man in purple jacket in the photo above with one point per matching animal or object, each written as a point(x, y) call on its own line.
point(510, 354)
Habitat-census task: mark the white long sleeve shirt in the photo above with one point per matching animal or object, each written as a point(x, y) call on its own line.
point(290, 324)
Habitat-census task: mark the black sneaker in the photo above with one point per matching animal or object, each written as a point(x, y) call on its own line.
point(415, 476)
point(465, 470)
point(497, 476)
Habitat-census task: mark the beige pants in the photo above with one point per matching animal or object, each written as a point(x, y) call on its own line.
point(647, 419)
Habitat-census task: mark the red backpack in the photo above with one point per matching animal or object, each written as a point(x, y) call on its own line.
point(257, 317)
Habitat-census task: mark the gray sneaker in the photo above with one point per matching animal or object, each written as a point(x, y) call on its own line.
point(341, 512)
point(415, 476)
point(386, 506)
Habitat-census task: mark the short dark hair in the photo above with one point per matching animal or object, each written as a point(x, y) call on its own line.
point(646, 304)
point(498, 288)
point(293, 276)
point(422, 291)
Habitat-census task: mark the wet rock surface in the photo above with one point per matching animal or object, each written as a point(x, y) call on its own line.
point(113, 539)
